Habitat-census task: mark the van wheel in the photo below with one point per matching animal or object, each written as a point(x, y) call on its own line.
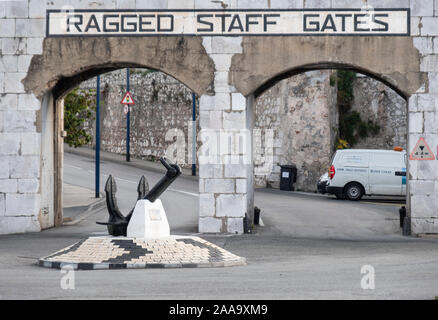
point(354, 191)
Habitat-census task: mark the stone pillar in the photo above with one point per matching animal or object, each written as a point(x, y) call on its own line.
point(225, 160)
point(423, 123)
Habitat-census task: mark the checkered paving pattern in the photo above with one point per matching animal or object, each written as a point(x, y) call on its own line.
point(125, 253)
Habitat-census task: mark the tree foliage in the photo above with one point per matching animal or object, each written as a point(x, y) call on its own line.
point(79, 107)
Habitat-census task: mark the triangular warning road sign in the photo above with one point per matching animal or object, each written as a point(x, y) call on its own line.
point(421, 151)
point(127, 99)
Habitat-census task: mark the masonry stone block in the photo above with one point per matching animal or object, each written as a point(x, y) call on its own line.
point(9, 225)
point(178, 4)
point(415, 26)
point(36, 9)
point(17, 9)
point(422, 187)
point(210, 225)
point(388, 3)
point(317, 4)
point(231, 205)
point(151, 4)
point(9, 143)
point(430, 122)
point(4, 166)
point(210, 119)
point(13, 45)
point(416, 122)
point(226, 44)
point(22, 204)
point(252, 4)
point(222, 62)
point(219, 186)
point(9, 63)
point(220, 101)
point(28, 102)
point(26, 167)
point(433, 82)
point(236, 170)
point(235, 225)
point(28, 185)
point(206, 205)
point(8, 186)
point(34, 46)
point(234, 120)
point(422, 8)
point(202, 4)
point(30, 143)
point(7, 26)
point(30, 27)
point(24, 62)
point(424, 225)
point(125, 4)
point(8, 102)
point(211, 171)
point(2, 205)
point(13, 83)
point(427, 102)
point(19, 121)
point(424, 44)
point(430, 26)
point(241, 186)
point(238, 102)
point(287, 4)
point(429, 63)
point(2, 82)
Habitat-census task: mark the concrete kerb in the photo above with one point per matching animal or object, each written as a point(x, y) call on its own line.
point(120, 159)
point(92, 209)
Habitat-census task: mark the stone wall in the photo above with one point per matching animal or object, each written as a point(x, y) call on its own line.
point(377, 102)
point(301, 112)
point(162, 104)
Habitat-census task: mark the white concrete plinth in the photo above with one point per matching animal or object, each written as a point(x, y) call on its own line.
point(148, 221)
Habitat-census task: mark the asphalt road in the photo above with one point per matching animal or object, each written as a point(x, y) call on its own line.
point(312, 247)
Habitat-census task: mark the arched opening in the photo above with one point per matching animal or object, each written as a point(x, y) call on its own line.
point(301, 115)
point(65, 63)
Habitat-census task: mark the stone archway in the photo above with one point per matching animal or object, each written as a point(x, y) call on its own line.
point(65, 63)
point(373, 56)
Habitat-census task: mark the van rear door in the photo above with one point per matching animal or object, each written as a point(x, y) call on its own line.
point(385, 173)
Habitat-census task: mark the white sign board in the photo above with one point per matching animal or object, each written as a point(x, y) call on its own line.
point(251, 22)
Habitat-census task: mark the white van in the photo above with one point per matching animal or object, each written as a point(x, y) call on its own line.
point(357, 172)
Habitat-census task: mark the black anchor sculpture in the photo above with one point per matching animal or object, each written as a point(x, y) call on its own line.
point(118, 224)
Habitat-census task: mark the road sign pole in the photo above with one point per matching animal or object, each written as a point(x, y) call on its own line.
point(193, 134)
point(128, 119)
point(97, 169)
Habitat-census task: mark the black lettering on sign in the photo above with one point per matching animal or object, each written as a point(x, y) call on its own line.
point(266, 22)
point(249, 22)
point(112, 24)
point(77, 23)
point(223, 16)
point(92, 23)
point(142, 22)
point(209, 24)
point(329, 23)
point(235, 19)
point(315, 24)
point(129, 26)
point(343, 17)
point(380, 22)
point(357, 22)
point(165, 16)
